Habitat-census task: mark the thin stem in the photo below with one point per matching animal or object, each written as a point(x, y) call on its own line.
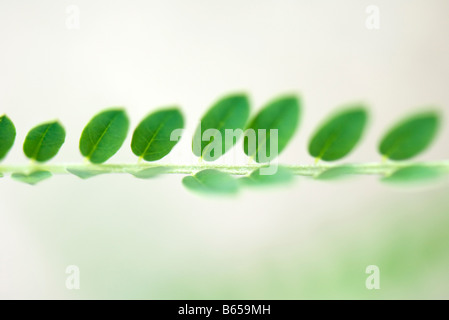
point(384, 168)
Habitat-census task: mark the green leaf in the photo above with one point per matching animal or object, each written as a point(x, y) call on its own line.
point(150, 173)
point(84, 173)
point(151, 139)
point(338, 136)
point(281, 114)
point(336, 173)
point(255, 179)
point(44, 141)
point(104, 135)
point(410, 136)
point(32, 178)
point(414, 173)
point(7, 136)
point(211, 181)
point(231, 112)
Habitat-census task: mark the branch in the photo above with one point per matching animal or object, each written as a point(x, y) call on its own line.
point(382, 169)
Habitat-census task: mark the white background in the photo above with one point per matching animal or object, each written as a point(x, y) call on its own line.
point(149, 54)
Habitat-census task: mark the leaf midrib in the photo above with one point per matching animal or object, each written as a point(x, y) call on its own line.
point(204, 185)
point(396, 145)
point(39, 145)
point(328, 144)
point(154, 135)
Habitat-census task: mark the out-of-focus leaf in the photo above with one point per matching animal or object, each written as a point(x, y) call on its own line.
point(336, 173)
point(32, 178)
point(283, 175)
point(414, 173)
point(150, 173)
point(338, 136)
point(211, 181)
point(410, 137)
point(84, 173)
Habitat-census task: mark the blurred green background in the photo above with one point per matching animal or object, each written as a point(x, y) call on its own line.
point(312, 240)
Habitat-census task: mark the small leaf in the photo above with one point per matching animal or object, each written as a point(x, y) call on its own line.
point(7, 136)
point(230, 113)
point(414, 173)
point(410, 137)
point(104, 135)
point(44, 141)
point(337, 172)
point(150, 172)
point(338, 136)
point(211, 181)
point(255, 179)
point(32, 178)
point(151, 139)
point(85, 173)
point(281, 114)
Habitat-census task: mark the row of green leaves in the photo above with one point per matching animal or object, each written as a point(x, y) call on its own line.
point(104, 135)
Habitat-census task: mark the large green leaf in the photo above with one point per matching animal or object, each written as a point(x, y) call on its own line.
point(211, 181)
point(281, 114)
point(44, 141)
point(7, 135)
point(151, 139)
point(339, 135)
point(104, 135)
point(229, 113)
point(414, 173)
point(32, 178)
point(410, 137)
point(256, 179)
